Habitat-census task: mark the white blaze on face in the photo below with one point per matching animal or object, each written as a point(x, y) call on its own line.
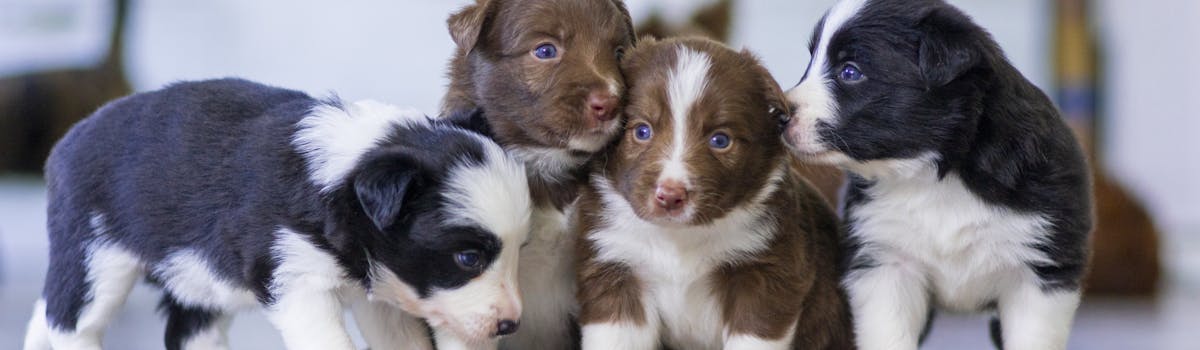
point(813, 98)
point(685, 86)
point(495, 196)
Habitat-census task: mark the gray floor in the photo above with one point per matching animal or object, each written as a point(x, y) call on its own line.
point(1170, 323)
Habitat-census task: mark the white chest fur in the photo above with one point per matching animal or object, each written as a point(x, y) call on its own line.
point(967, 250)
point(674, 265)
point(547, 280)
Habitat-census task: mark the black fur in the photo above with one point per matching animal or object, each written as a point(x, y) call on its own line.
point(210, 166)
point(938, 83)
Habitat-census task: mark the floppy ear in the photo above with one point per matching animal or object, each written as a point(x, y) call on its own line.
point(383, 185)
point(627, 20)
point(778, 107)
point(466, 25)
point(948, 46)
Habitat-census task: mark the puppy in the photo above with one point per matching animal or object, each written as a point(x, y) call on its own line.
point(694, 233)
point(545, 76)
point(229, 194)
point(968, 191)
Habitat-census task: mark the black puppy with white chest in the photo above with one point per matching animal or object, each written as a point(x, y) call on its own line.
point(967, 191)
point(229, 195)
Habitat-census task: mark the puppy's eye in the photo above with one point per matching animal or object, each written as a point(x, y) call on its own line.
point(469, 259)
point(850, 73)
point(719, 141)
point(642, 132)
point(545, 51)
point(620, 52)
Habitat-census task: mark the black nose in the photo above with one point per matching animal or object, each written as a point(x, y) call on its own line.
point(506, 327)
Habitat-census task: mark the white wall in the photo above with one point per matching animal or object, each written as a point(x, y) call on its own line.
point(396, 51)
point(1154, 101)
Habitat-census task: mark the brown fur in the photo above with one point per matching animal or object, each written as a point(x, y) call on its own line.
point(795, 279)
point(531, 103)
point(715, 22)
point(37, 109)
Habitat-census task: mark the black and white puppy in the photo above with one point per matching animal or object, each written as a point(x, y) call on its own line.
point(230, 194)
point(968, 192)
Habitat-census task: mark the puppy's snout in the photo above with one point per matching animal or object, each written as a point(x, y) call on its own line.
point(671, 195)
point(602, 105)
point(506, 327)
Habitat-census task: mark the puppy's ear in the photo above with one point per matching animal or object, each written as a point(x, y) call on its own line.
point(466, 25)
point(472, 120)
point(383, 184)
point(778, 107)
point(948, 46)
point(626, 20)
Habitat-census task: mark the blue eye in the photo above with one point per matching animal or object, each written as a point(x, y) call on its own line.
point(468, 259)
point(545, 51)
point(642, 132)
point(850, 73)
point(719, 141)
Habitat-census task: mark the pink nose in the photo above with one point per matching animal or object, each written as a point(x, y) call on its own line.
point(602, 105)
point(670, 195)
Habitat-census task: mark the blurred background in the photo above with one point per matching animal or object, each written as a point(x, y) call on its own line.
point(1122, 71)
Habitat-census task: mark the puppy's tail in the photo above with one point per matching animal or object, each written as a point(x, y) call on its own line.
point(37, 335)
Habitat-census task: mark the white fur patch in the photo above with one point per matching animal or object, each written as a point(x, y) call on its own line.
point(37, 332)
point(547, 278)
point(813, 98)
point(674, 262)
point(383, 326)
point(620, 336)
point(111, 273)
point(192, 282)
point(685, 86)
point(1033, 319)
point(332, 139)
point(750, 342)
point(935, 239)
point(494, 195)
point(307, 310)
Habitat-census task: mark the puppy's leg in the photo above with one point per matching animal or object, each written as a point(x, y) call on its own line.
point(387, 327)
point(621, 335)
point(79, 312)
point(890, 306)
point(1031, 318)
point(310, 319)
point(190, 328)
point(37, 333)
point(752, 342)
point(447, 341)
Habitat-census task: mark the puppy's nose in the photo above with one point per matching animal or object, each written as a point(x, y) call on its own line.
point(506, 327)
point(602, 105)
point(670, 195)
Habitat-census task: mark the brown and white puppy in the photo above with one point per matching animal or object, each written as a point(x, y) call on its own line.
point(694, 232)
point(545, 76)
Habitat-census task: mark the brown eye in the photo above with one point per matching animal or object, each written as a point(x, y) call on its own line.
point(620, 53)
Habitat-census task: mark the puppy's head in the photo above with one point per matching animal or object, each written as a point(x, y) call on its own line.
point(889, 81)
point(701, 135)
point(545, 72)
point(441, 227)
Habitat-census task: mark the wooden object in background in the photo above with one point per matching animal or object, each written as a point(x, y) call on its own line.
point(36, 109)
point(1125, 245)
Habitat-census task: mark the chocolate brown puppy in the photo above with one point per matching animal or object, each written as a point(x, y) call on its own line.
point(544, 76)
point(694, 232)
